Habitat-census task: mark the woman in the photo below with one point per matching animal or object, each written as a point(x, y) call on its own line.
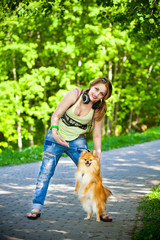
point(69, 123)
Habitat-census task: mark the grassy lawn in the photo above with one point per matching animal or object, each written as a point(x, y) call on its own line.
point(129, 139)
point(27, 155)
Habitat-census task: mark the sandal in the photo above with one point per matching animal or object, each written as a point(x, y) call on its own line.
point(105, 217)
point(37, 215)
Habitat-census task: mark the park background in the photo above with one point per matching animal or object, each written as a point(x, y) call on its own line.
point(50, 47)
point(47, 48)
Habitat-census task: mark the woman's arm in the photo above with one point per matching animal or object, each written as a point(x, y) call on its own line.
point(66, 102)
point(97, 137)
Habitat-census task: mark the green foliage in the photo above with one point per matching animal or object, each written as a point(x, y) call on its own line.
point(140, 17)
point(49, 48)
point(9, 105)
point(150, 206)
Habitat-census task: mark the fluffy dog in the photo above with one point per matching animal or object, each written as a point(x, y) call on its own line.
point(92, 194)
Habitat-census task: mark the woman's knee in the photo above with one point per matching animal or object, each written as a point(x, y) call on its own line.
point(48, 164)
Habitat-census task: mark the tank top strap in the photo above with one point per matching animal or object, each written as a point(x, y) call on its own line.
point(77, 98)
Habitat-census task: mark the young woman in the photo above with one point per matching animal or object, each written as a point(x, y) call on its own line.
point(69, 123)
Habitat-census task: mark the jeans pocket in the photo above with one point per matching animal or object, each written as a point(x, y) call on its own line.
point(48, 146)
point(49, 143)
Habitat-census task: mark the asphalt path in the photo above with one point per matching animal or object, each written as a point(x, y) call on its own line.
point(129, 172)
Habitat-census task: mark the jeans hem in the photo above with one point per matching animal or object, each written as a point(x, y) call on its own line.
point(37, 205)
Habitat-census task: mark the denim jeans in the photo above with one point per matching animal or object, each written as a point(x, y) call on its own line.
point(51, 155)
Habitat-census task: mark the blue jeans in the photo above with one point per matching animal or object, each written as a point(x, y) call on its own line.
point(51, 155)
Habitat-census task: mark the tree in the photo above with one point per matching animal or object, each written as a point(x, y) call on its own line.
point(140, 17)
point(49, 48)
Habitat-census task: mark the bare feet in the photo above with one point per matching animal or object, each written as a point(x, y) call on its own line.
point(105, 217)
point(34, 214)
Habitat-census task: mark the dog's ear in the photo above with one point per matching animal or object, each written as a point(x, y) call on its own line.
point(83, 152)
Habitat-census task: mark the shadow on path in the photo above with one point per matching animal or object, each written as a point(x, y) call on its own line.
point(129, 172)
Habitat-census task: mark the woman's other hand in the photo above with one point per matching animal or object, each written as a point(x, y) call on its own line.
point(59, 139)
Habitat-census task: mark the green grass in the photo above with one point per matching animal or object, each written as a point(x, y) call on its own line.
point(129, 139)
point(27, 155)
point(150, 207)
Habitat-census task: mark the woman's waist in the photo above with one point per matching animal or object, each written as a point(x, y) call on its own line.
point(72, 136)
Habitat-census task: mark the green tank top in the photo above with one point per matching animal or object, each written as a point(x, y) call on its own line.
point(71, 125)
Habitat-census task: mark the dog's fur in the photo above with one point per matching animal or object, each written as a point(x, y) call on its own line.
point(92, 194)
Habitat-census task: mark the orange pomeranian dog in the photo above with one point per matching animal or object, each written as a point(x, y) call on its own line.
point(92, 194)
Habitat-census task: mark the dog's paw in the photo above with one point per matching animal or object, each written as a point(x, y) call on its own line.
point(88, 216)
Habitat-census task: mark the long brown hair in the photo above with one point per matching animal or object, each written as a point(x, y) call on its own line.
point(100, 112)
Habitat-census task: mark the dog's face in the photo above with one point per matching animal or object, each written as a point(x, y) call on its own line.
point(89, 161)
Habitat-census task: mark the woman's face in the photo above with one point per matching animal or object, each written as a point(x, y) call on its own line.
point(97, 92)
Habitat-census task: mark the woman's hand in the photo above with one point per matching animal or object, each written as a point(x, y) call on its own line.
point(98, 154)
point(59, 139)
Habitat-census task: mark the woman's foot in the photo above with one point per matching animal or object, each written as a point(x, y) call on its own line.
point(34, 214)
point(105, 217)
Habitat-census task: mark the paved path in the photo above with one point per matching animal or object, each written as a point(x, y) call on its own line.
point(129, 172)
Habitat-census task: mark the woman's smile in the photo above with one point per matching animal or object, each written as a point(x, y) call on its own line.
point(94, 97)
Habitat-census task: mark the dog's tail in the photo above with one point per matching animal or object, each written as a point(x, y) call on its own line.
point(107, 192)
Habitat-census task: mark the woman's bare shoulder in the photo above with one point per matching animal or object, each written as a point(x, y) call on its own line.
point(74, 93)
point(71, 96)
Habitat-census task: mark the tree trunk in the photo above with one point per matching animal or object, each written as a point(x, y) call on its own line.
point(150, 70)
point(45, 117)
point(119, 94)
point(109, 122)
point(117, 103)
point(18, 111)
point(115, 70)
point(103, 127)
point(110, 71)
point(115, 115)
point(31, 132)
point(19, 133)
point(130, 121)
point(77, 75)
point(108, 127)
